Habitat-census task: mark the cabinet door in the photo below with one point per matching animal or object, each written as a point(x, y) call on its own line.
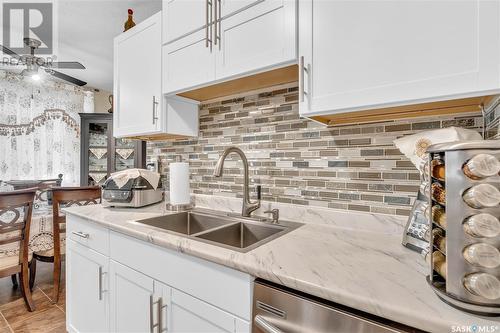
point(370, 54)
point(137, 80)
point(257, 38)
point(87, 298)
point(229, 7)
point(182, 17)
point(188, 62)
point(132, 300)
point(189, 314)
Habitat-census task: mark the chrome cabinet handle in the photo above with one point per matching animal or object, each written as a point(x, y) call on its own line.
point(206, 21)
point(303, 70)
point(81, 234)
point(215, 28)
point(217, 23)
point(266, 326)
point(220, 23)
point(161, 306)
point(155, 104)
point(152, 324)
point(209, 19)
point(99, 283)
point(211, 24)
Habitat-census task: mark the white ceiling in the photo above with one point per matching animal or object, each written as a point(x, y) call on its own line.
point(86, 30)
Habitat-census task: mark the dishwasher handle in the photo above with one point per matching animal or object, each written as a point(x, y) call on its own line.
point(266, 326)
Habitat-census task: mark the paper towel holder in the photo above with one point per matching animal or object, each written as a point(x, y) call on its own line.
point(179, 207)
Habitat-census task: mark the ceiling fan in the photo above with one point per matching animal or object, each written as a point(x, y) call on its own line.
point(34, 63)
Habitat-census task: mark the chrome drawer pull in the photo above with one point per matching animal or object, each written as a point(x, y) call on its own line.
point(81, 234)
point(266, 326)
point(152, 324)
point(99, 283)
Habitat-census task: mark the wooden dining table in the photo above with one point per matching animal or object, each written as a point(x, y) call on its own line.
point(41, 236)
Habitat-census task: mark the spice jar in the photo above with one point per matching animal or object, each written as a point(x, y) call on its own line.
point(438, 262)
point(481, 166)
point(439, 240)
point(483, 284)
point(438, 193)
point(482, 254)
point(481, 196)
point(482, 225)
point(438, 169)
point(439, 215)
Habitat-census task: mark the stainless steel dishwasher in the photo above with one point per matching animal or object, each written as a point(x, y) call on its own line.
point(276, 310)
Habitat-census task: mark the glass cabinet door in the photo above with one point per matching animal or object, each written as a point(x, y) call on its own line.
point(124, 154)
point(98, 153)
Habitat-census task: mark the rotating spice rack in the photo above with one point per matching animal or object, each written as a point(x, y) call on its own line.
point(451, 288)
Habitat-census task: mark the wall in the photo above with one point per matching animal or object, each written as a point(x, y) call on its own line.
point(101, 101)
point(40, 128)
point(299, 161)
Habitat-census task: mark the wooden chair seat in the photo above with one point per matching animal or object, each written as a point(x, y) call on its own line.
point(40, 255)
point(11, 261)
point(15, 228)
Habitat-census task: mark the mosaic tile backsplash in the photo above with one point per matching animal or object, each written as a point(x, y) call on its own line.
point(299, 161)
point(492, 122)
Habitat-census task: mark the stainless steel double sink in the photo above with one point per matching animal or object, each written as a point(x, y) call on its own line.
point(221, 229)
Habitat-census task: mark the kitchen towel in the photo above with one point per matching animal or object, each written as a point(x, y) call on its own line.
point(122, 177)
point(179, 183)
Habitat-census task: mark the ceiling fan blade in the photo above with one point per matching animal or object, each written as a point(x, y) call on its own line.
point(65, 64)
point(66, 77)
point(8, 51)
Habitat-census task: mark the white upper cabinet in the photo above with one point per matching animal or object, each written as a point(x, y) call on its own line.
point(140, 109)
point(370, 54)
point(261, 36)
point(188, 62)
point(228, 7)
point(137, 80)
point(242, 37)
point(182, 17)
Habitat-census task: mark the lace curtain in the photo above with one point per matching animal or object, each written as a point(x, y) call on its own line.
point(40, 129)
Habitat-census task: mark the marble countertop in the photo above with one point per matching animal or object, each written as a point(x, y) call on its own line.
point(353, 259)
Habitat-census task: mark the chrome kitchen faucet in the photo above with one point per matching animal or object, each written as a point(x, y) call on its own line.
point(248, 206)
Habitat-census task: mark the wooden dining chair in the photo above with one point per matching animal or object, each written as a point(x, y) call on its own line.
point(62, 197)
point(15, 227)
point(44, 192)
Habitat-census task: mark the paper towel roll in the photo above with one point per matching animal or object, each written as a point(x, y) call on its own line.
point(179, 183)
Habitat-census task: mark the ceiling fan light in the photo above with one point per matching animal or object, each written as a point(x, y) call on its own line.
point(35, 77)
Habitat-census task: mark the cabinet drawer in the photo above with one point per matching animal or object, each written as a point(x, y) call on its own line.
point(189, 314)
point(87, 233)
point(225, 288)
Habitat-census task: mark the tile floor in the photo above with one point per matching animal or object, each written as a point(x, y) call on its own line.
point(47, 318)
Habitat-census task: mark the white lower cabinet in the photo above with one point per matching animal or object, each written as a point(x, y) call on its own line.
point(189, 314)
point(87, 298)
point(139, 303)
point(131, 300)
point(139, 287)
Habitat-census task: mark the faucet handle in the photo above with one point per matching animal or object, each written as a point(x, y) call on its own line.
point(275, 213)
point(259, 192)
